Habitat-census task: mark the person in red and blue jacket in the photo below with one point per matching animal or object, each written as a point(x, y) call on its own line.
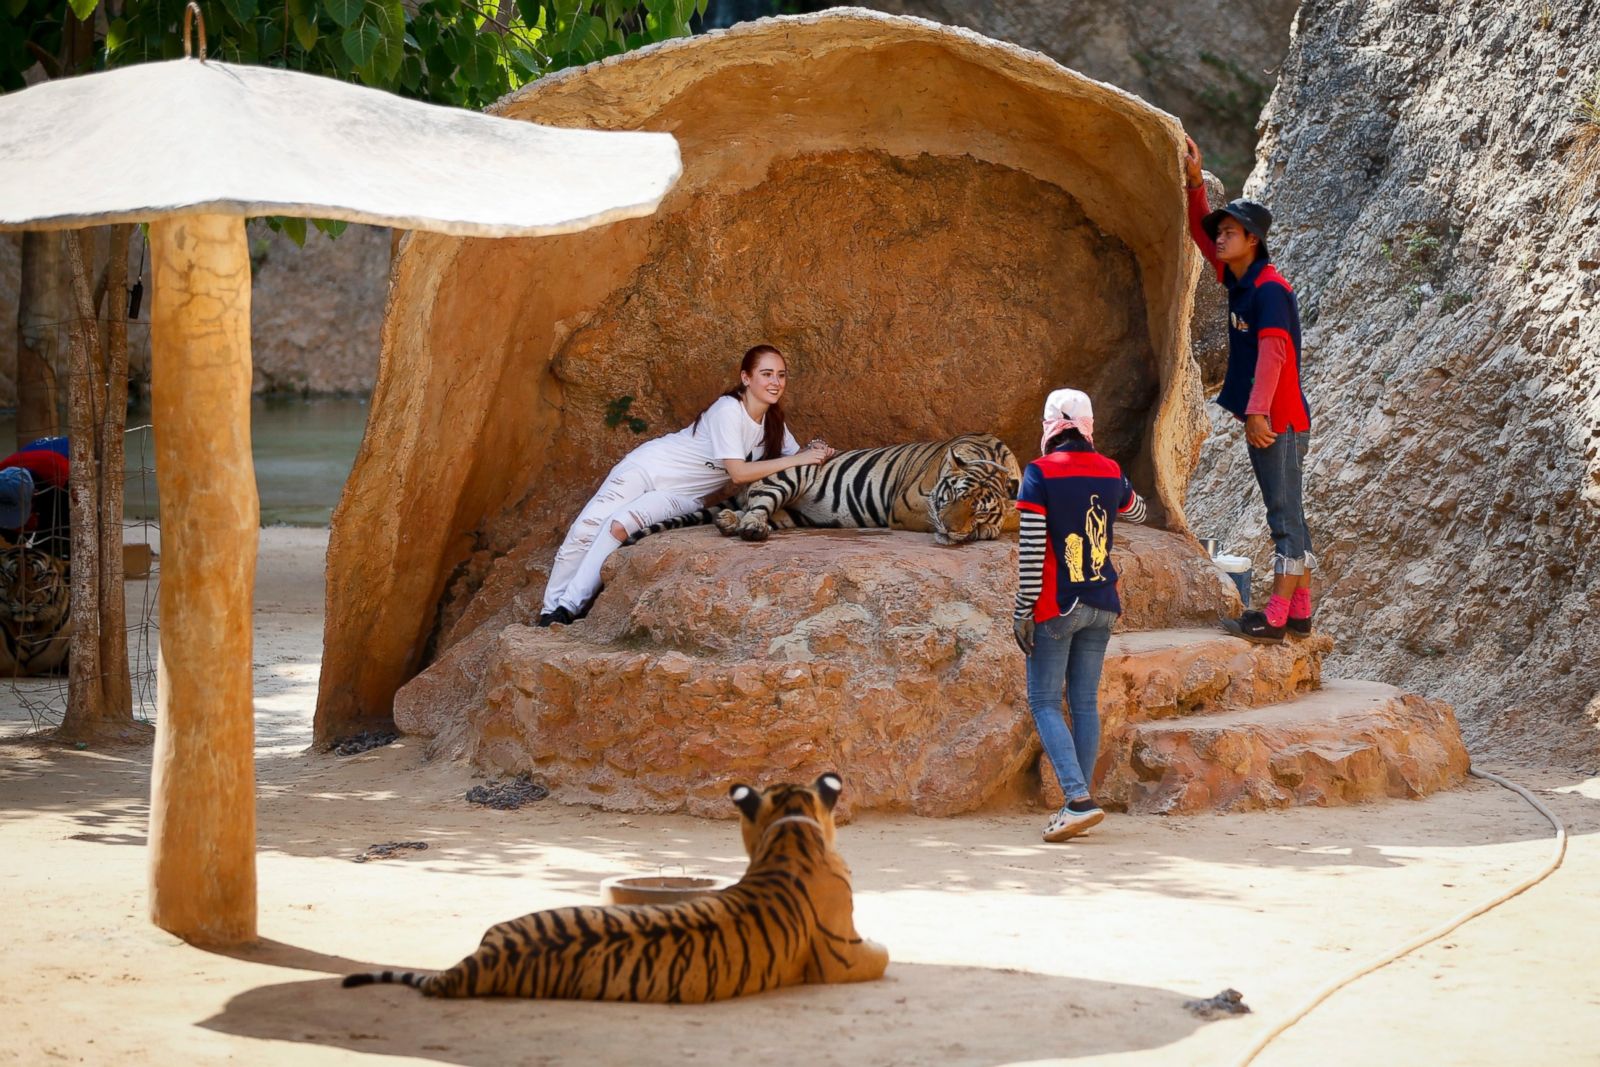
point(1262, 389)
point(1070, 500)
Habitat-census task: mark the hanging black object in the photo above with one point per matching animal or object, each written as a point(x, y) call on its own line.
point(136, 291)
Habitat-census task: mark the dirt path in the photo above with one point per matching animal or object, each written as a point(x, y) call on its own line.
point(1005, 950)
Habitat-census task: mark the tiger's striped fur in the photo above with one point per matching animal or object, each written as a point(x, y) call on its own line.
point(789, 920)
point(958, 490)
point(35, 611)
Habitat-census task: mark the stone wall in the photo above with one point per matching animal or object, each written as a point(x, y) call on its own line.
point(1212, 63)
point(931, 224)
point(1427, 169)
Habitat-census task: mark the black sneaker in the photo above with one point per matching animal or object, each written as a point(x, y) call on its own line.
point(561, 615)
point(1253, 626)
point(1299, 629)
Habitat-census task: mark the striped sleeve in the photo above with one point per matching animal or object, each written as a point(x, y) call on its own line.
point(1030, 563)
point(1133, 507)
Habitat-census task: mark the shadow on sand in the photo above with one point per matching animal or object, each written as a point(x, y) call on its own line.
point(926, 1013)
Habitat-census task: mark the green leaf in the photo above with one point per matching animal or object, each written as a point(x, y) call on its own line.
point(83, 8)
point(295, 230)
point(241, 10)
point(344, 12)
point(305, 31)
point(482, 65)
point(116, 34)
point(332, 227)
point(525, 60)
point(360, 41)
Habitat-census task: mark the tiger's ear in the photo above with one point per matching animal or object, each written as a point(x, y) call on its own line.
point(747, 800)
point(828, 787)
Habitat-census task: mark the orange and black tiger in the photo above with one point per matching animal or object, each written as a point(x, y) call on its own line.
point(789, 920)
point(35, 611)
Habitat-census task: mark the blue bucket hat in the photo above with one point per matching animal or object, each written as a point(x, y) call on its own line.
point(16, 498)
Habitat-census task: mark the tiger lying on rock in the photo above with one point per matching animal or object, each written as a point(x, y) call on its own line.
point(958, 490)
point(789, 920)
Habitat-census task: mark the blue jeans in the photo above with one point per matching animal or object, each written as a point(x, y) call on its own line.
point(1278, 472)
point(1070, 648)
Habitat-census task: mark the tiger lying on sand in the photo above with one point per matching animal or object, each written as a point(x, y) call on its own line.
point(789, 920)
point(963, 489)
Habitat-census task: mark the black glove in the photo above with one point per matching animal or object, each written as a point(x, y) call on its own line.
point(1022, 630)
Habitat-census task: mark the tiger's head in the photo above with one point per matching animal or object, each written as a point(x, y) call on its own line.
point(33, 587)
point(762, 808)
point(976, 490)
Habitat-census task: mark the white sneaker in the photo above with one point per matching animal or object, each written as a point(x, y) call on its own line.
point(1068, 823)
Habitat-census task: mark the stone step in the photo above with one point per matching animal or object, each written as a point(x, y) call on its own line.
point(1160, 674)
point(1348, 742)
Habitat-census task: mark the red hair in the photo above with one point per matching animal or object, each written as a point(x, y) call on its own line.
point(772, 425)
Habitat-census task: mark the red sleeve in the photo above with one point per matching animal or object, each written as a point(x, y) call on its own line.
point(1199, 208)
point(1272, 352)
point(47, 468)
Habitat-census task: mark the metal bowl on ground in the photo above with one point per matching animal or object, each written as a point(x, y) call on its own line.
point(659, 888)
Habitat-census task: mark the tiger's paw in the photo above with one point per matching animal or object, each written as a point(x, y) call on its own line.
point(727, 522)
point(753, 527)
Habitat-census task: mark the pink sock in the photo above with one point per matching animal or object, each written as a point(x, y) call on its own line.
point(1277, 612)
point(1300, 604)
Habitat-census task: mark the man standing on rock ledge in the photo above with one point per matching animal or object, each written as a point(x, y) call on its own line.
point(1262, 389)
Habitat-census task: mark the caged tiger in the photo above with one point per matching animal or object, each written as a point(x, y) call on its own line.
point(35, 611)
point(962, 489)
point(788, 921)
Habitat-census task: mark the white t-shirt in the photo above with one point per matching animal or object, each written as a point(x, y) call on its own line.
point(691, 460)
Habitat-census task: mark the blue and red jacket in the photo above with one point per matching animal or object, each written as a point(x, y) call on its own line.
point(1080, 493)
point(1260, 305)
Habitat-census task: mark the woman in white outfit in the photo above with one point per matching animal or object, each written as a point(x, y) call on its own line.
point(682, 472)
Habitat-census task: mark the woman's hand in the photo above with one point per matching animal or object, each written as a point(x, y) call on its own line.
point(812, 454)
point(1022, 630)
point(817, 442)
point(1191, 163)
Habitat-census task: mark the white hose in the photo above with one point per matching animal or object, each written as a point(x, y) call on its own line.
point(1432, 935)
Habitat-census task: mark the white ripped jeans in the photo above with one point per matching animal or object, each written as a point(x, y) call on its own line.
point(627, 499)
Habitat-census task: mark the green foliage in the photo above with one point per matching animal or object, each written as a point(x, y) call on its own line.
point(617, 415)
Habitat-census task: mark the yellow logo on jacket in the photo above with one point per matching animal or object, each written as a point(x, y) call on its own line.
point(1095, 525)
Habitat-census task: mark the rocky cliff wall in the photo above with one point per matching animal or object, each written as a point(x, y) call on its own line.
point(1212, 63)
point(1438, 211)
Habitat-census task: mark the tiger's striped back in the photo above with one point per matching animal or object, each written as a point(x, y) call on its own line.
point(788, 920)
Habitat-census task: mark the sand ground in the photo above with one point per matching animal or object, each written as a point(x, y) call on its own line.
point(1004, 950)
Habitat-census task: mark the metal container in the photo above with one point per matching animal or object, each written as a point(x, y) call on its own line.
point(1212, 546)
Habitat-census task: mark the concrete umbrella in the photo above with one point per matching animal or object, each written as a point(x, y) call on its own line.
point(194, 147)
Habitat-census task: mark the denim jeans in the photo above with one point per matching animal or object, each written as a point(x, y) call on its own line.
point(1070, 648)
point(1278, 472)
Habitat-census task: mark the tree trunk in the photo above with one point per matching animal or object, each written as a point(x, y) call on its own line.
point(41, 309)
point(202, 791)
point(115, 683)
point(86, 715)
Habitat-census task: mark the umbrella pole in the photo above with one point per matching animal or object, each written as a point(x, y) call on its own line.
point(202, 791)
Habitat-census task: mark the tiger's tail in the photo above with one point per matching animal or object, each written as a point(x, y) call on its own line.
point(703, 517)
point(414, 979)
